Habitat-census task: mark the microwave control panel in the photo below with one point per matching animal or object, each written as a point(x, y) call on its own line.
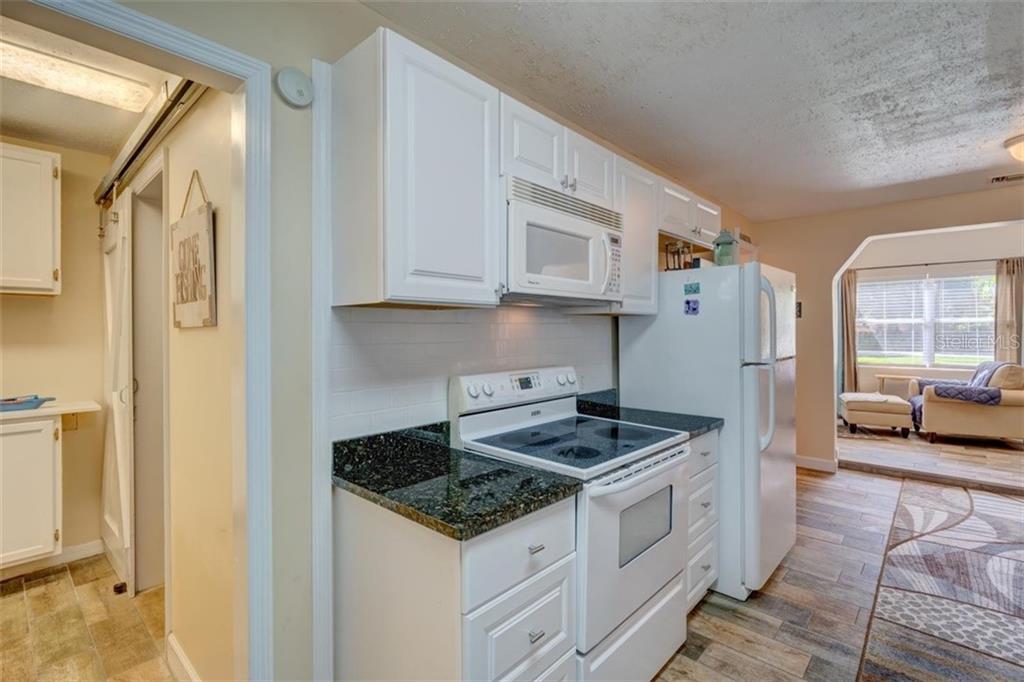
point(615, 264)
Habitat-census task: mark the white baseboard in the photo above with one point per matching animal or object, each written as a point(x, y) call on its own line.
point(71, 553)
point(829, 466)
point(177, 662)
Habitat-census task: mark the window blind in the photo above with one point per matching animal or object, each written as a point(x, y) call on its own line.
point(927, 316)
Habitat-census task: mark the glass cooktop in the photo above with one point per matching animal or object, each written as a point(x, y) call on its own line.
point(579, 441)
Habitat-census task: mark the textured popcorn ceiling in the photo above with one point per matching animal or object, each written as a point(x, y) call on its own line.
point(776, 109)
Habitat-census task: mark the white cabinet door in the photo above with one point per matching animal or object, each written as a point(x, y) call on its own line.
point(29, 490)
point(678, 211)
point(590, 168)
point(709, 220)
point(532, 145)
point(442, 204)
point(29, 220)
point(636, 196)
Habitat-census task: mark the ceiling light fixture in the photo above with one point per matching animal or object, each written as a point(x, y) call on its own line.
point(1015, 145)
point(53, 73)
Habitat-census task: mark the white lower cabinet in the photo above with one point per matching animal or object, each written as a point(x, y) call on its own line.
point(413, 604)
point(30, 489)
point(702, 554)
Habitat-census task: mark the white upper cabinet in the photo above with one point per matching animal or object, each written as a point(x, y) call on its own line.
point(636, 196)
point(678, 211)
point(29, 221)
point(532, 145)
point(538, 149)
point(416, 178)
point(590, 168)
point(709, 220)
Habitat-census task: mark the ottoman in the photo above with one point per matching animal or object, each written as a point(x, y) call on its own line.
point(877, 409)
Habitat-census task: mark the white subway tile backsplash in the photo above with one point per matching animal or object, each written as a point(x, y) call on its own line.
point(389, 368)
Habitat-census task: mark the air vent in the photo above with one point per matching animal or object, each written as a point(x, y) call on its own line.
point(1003, 179)
point(524, 190)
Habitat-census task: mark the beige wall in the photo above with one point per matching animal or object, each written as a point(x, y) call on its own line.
point(816, 247)
point(53, 345)
point(202, 575)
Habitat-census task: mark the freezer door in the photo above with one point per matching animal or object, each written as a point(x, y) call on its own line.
point(769, 452)
point(783, 285)
point(769, 313)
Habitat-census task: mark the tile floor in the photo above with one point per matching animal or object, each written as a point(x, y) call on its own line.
point(997, 466)
point(856, 599)
point(65, 623)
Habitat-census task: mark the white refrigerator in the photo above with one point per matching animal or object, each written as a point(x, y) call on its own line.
point(723, 344)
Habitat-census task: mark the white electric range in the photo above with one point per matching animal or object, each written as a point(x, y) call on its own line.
point(631, 517)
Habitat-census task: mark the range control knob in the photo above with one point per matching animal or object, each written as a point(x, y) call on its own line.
point(560, 379)
point(488, 391)
point(572, 378)
point(473, 390)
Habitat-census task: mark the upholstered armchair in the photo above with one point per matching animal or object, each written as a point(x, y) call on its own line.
point(990, 405)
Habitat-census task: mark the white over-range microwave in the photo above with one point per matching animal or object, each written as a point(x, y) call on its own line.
point(560, 247)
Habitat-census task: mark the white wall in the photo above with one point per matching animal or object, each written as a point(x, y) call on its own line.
point(390, 367)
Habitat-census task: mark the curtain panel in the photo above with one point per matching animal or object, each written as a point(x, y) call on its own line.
point(848, 285)
point(1009, 308)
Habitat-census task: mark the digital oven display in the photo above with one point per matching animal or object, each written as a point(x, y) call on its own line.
point(526, 382)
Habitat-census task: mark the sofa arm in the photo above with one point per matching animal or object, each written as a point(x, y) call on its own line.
point(1012, 399)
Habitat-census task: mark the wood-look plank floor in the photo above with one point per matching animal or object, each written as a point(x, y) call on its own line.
point(992, 465)
point(66, 623)
point(810, 620)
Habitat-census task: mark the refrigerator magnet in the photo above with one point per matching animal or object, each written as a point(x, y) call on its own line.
point(691, 306)
point(691, 288)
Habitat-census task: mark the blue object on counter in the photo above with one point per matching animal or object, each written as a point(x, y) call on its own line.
point(22, 402)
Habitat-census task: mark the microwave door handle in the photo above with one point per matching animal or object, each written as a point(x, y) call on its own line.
point(636, 479)
point(607, 262)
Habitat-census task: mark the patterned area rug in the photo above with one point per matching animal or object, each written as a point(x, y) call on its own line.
point(952, 587)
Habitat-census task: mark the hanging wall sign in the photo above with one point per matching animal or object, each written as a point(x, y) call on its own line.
point(193, 277)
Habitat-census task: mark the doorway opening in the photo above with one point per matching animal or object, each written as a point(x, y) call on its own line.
point(926, 360)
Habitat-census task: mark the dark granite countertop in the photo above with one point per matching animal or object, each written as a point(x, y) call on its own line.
point(459, 494)
point(606, 404)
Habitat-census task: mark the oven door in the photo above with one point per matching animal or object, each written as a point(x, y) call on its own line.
point(551, 253)
point(632, 537)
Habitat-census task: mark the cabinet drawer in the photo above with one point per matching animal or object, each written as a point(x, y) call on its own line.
point(702, 569)
point(705, 452)
point(497, 560)
point(528, 627)
point(564, 670)
point(703, 501)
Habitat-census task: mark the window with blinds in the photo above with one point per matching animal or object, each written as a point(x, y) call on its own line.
point(933, 316)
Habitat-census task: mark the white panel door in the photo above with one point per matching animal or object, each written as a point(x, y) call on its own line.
point(532, 145)
point(118, 458)
point(442, 206)
point(29, 490)
point(590, 168)
point(636, 196)
point(678, 211)
point(29, 220)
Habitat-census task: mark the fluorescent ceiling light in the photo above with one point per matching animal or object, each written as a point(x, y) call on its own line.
point(53, 73)
point(1015, 145)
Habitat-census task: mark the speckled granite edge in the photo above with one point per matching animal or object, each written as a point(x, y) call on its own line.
point(606, 404)
point(437, 482)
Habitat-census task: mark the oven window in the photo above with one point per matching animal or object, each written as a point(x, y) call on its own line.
point(557, 254)
point(643, 524)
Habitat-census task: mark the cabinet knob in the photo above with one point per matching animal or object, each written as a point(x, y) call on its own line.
point(565, 182)
point(705, 504)
point(536, 549)
point(572, 185)
point(705, 453)
point(536, 636)
point(706, 567)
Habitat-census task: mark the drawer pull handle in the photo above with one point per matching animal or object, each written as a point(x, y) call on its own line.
point(705, 504)
point(705, 453)
point(536, 636)
point(536, 549)
point(706, 567)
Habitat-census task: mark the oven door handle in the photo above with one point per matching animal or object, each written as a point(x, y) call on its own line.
point(678, 459)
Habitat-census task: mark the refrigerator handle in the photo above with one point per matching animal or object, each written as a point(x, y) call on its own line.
point(766, 287)
point(766, 439)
